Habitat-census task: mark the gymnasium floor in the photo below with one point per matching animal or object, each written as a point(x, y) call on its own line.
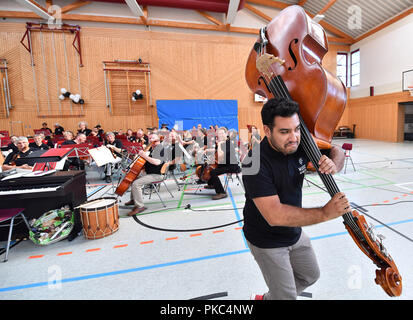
point(195, 256)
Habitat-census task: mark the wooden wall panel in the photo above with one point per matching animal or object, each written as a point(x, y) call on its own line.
point(183, 66)
point(378, 117)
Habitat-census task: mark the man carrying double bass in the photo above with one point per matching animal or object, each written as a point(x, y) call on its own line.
point(273, 215)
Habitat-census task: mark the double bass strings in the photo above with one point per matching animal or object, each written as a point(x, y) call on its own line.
point(315, 155)
point(277, 87)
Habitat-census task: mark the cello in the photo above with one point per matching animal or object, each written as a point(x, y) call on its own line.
point(134, 171)
point(286, 62)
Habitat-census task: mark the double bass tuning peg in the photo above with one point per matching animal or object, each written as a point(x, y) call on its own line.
point(381, 237)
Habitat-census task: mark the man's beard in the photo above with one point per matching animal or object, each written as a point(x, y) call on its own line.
point(284, 149)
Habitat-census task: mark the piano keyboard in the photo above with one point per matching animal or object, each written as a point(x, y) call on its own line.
point(32, 190)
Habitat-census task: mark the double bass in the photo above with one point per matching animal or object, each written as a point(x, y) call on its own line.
point(286, 62)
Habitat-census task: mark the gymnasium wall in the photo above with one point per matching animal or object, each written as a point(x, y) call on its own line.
point(383, 57)
point(183, 65)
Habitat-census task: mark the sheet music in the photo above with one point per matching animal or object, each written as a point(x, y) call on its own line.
point(184, 151)
point(102, 155)
point(20, 173)
point(39, 173)
point(60, 164)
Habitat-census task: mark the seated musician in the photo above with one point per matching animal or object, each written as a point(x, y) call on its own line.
point(130, 136)
point(46, 130)
point(68, 136)
point(38, 144)
point(227, 163)
point(255, 137)
point(83, 128)
point(154, 167)
point(74, 161)
point(23, 151)
point(58, 129)
point(97, 132)
point(12, 145)
point(142, 138)
point(115, 146)
point(172, 153)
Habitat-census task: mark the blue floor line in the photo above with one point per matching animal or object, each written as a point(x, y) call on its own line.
point(105, 274)
point(237, 214)
point(162, 265)
point(94, 191)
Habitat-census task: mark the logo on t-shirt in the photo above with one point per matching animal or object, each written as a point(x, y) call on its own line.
point(303, 167)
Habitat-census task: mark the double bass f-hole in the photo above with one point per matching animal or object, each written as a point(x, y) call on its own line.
point(290, 50)
point(265, 82)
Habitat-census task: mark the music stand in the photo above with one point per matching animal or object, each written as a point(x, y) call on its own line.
point(44, 160)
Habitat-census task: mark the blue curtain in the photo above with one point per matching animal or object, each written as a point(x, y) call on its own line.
point(189, 113)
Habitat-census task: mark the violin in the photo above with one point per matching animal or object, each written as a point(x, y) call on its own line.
point(286, 62)
point(14, 158)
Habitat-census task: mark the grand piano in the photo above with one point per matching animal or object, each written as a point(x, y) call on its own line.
point(41, 194)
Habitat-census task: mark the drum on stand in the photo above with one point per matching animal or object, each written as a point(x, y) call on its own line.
point(100, 217)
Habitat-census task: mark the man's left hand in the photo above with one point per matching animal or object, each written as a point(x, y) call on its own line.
point(326, 165)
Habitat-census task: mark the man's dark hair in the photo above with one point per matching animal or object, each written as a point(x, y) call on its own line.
point(281, 107)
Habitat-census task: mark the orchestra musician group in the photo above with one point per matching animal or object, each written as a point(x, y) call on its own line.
point(212, 152)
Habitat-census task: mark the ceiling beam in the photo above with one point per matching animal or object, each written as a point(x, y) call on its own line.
point(144, 18)
point(301, 2)
point(326, 7)
point(36, 8)
point(270, 3)
point(74, 5)
point(257, 12)
point(209, 17)
point(232, 11)
point(135, 8)
point(150, 22)
point(385, 24)
point(49, 3)
point(281, 5)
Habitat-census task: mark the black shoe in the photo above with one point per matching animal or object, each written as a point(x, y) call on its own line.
point(108, 179)
point(130, 203)
point(75, 232)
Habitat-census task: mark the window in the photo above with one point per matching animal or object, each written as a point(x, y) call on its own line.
point(342, 67)
point(355, 68)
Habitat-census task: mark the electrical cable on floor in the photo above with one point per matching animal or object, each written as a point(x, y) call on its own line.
point(188, 206)
point(183, 230)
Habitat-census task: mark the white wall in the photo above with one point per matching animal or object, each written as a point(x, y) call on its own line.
point(383, 57)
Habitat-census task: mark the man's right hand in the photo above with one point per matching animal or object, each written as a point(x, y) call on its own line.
point(336, 207)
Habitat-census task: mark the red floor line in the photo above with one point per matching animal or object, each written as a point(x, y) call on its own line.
point(64, 253)
point(36, 257)
point(196, 235)
point(120, 246)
